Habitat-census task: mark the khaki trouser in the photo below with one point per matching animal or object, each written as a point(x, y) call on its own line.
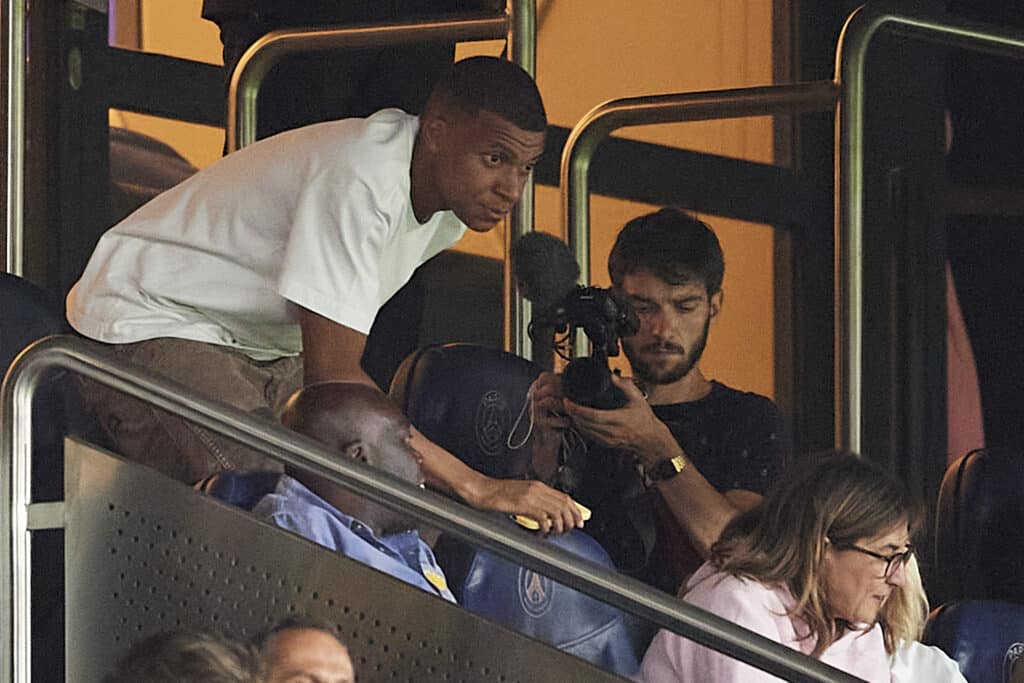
point(176, 447)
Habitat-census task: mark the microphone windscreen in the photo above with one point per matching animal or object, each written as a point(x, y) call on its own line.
point(544, 268)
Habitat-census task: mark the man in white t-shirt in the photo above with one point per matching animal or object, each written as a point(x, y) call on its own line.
point(265, 271)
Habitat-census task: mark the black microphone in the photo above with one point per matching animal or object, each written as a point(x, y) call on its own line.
point(544, 268)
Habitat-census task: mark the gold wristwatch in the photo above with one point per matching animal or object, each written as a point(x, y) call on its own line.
point(666, 469)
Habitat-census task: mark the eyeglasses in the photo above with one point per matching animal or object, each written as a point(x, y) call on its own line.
point(892, 562)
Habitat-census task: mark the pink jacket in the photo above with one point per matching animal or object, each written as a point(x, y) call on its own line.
point(762, 609)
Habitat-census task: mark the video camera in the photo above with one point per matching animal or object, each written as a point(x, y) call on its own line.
point(605, 320)
point(547, 274)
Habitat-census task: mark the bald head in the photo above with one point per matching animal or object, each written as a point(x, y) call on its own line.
point(357, 422)
point(340, 413)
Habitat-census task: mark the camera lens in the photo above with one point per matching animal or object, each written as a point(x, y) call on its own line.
point(588, 381)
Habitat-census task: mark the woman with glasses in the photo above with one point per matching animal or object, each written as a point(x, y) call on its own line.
point(820, 566)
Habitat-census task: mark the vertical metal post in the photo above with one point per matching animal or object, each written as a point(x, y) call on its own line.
point(16, 548)
point(15, 644)
point(522, 50)
point(15, 111)
point(849, 240)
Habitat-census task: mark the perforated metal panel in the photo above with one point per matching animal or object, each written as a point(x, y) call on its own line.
point(145, 554)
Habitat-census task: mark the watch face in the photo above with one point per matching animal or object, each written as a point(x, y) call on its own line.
point(666, 469)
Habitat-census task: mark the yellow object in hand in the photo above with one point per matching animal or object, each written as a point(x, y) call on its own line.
point(533, 525)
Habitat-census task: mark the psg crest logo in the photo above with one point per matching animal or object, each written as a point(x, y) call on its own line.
point(492, 421)
point(535, 592)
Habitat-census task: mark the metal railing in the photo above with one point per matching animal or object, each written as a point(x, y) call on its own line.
point(846, 93)
point(14, 103)
point(87, 360)
point(518, 26)
point(606, 118)
point(857, 34)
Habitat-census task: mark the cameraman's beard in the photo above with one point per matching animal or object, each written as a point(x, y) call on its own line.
point(650, 375)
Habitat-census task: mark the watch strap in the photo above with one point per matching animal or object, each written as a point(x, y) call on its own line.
point(666, 469)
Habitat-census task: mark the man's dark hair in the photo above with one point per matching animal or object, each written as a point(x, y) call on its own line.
point(495, 85)
point(188, 657)
point(673, 246)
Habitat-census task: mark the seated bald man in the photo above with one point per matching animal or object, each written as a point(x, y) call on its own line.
point(360, 423)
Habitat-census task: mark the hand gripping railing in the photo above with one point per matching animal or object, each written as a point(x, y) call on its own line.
point(88, 360)
point(860, 30)
point(518, 26)
point(606, 118)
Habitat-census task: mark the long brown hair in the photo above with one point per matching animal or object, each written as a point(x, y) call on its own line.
point(836, 496)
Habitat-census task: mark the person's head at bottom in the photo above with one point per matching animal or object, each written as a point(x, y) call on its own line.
point(836, 532)
point(304, 650)
point(182, 656)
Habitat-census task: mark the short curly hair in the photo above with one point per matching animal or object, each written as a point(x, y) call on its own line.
point(491, 84)
point(673, 246)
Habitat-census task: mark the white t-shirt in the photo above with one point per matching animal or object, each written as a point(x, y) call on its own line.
point(319, 216)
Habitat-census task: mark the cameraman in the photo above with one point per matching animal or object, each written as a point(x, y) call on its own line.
point(666, 472)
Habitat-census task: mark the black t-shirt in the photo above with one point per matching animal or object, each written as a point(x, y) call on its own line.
point(735, 439)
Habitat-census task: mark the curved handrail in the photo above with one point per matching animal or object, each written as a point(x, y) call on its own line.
point(608, 117)
point(518, 26)
point(257, 61)
point(86, 359)
point(860, 29)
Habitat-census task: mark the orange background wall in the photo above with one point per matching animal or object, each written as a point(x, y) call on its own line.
point(588, 53)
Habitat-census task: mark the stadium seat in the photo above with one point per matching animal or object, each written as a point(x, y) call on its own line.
point(27, 314)
point(241, 489)
point(466, 398)
point(492, 587)
point(985, 637)
point(979, 532)
point(534, 605)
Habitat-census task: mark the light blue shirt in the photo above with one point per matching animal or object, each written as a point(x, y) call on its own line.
point(404, 556)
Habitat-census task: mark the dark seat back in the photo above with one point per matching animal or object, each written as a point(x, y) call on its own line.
point(979, 532)
point(27, 313)
point(241, 489)
point(534, 605)
point(466, 398)
point(985, 637)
